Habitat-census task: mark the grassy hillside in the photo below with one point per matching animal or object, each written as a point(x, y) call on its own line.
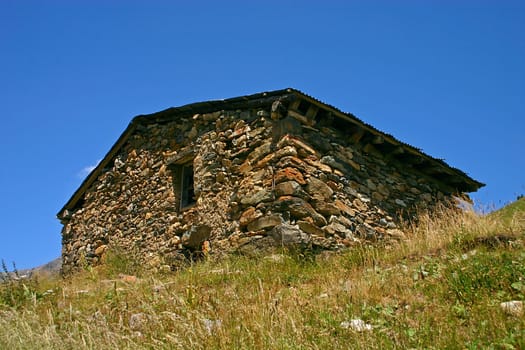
point(514, 211)
point(439, 287)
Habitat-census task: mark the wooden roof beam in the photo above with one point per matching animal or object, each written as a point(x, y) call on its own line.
point(356, 135)
point(312, 112)
point(371, 149)
point(308, 117)
point(397, 150)
point(294, 105)
point(301, 118)
point(378, 139)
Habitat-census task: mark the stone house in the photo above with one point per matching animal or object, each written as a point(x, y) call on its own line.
point(248, 173)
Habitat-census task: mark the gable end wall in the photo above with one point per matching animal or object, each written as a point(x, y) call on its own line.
point(262, 179)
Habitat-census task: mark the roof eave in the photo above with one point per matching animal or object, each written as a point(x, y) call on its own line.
point(467, 184)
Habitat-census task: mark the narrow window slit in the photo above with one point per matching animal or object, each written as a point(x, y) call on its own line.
point(187, 193)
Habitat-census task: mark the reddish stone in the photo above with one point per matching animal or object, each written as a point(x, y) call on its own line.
point(326, 208)
point(259, 153)
point(344, 208)
point(248, 216)
point(263, 162)
point(350, 242)
point(264, 222)
point(289, 188)
point(241, 130)
point(128, 278)
point(323, 167)
point(289, 174)
point(245, 168)
point(359, 205)
point(301, 147)
point(310, 228)
point(100, 250)
point(299, 208)
point(297, 163)
point(288, 151)
point(318, 189)
point(376, 196)
point(333, 185)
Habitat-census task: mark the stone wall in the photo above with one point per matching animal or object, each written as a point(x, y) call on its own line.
point(261, 180)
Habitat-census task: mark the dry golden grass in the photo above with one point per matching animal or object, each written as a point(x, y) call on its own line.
point(439, 288)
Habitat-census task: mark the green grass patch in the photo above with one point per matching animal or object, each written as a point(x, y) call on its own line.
point(513, 212)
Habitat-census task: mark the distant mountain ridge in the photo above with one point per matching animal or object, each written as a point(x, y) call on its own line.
point(50, 268)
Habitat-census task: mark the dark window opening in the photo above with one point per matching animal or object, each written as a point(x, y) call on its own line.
point(187, 193)
point(303, 107)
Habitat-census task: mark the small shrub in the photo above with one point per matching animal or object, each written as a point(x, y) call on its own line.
point(17, 290)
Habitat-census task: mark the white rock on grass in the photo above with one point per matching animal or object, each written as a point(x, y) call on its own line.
point(357, 325)
point(211, 325)
point(513, 308)
point(137, 321)
point(275, 258)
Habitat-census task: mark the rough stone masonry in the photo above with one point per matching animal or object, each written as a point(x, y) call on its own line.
point(245, 174)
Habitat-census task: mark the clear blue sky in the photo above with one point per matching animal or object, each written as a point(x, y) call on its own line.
point(447, 77)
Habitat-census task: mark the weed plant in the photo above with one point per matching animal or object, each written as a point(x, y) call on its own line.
point(17, 290)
